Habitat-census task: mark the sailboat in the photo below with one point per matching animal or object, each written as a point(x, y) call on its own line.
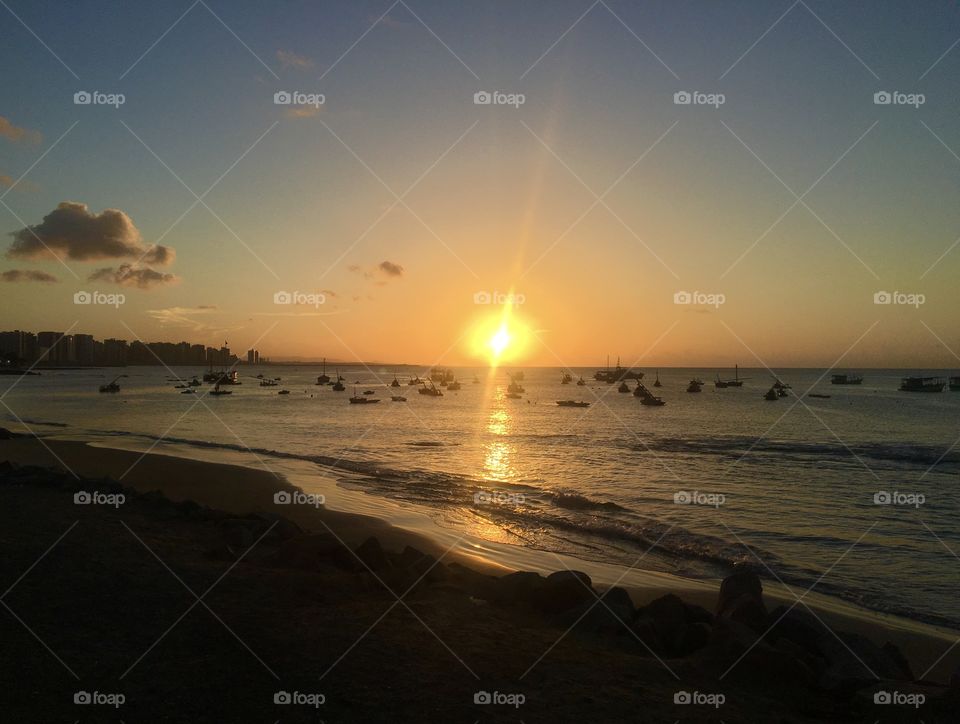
point(396, 382)
point(324, 379)
point(735, 382)
point(657, 382)
point(217, 391)
point(338, 385)
point(113, 386)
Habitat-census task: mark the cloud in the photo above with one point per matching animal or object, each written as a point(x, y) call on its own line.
point(128, 276)
point(292, 60)
point(302, 112)
point(391, 269)
point(74, 232)
point(189, 317)
point(17, 134)
point(7, 182)
point(27, 275)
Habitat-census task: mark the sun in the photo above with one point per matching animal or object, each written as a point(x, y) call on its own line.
point(500, 341)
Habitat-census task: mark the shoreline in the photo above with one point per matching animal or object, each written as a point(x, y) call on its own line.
point(240, 488)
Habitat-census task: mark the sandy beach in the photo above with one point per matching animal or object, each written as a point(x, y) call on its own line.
point(302, 584)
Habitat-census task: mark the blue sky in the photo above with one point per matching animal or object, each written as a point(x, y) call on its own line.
point(798, 81)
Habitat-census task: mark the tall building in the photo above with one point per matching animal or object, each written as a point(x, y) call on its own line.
point(85, 349)
point(251, 356)
point(50, 348)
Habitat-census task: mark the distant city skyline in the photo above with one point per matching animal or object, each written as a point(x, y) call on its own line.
point(370, 180)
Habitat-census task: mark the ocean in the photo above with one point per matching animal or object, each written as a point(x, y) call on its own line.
point(856, 495)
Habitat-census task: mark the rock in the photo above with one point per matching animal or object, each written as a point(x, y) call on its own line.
point(280, 528)
point(853, 661)
point(741, 600)
point(680, 628)
point(477, 585)
point(518, 589)
point(563, 590)
point(897, 657)
point(797, 626)
point(370, 552)
point(408, 557)
point(611, 615)
point(310, 552)
point(5, 434)
point(238, 532)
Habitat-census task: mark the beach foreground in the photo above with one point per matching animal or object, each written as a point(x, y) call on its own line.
point(184, 592)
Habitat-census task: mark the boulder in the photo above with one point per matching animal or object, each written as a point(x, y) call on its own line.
point(611, 615)
point(680, 628)
point(741, 600)
point(563, 590)
point(371, 553)
point(520, 588)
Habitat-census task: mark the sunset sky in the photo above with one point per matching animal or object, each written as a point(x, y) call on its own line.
point(503, 198)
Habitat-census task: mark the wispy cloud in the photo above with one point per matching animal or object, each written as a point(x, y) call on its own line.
point(27, 275)
point(18, 134)
point(289, 59)
point(127, 275)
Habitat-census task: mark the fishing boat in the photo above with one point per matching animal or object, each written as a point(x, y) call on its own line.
point(283, 392)
point(431, 390)
point(217, 391)
point(361, 400)
point(771, 394)
point(396, 382)
point(324, 379)
point(624, 387)
point(572, 403)
point(441, 375)
point(846, 380)
point(695, 385)
point(264, 382)
point(652, 401)
point(616, 374)
point(819, 396)
point(515, 387)
point(566, 379)
point(338, 385)
point(414, 381)
point(112, 386)
point(369, 392)
point(581, 382)
point(188, 391)
point(922, 384)
point(194, 382)
point(955, 384)
point(454, 385)
point(398, 398)
point(737, 381)
point(656, 382)
point(230, 377)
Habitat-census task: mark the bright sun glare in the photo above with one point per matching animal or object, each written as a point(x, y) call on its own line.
point(500, 338)
point(500, 341)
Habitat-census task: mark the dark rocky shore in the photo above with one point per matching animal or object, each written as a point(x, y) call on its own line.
point(196, 615)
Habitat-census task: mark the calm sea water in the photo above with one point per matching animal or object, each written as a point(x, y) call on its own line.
point(798, 480)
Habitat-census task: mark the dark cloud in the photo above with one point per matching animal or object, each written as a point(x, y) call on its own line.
point(73, 232)
point(391, 269)
point(27, 275)
point(128, 276)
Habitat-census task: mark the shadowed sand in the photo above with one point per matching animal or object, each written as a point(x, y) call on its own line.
point(459, 636)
